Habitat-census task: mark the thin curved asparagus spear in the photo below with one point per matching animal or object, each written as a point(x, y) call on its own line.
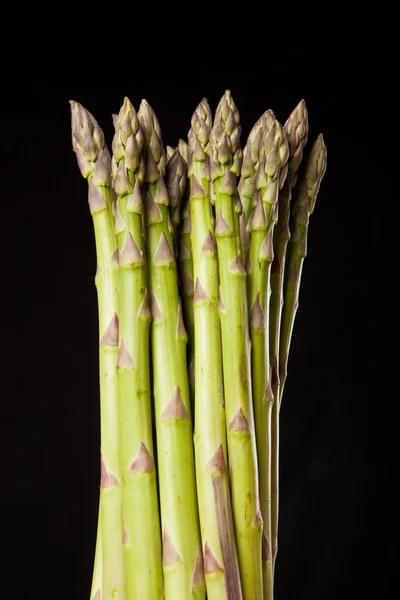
point(242, 454)
point(142, 536)
point(296, 128)
point(182, 557)
point(297, 247)
point(94, 162)
point(221, 565)
point(185, 270)
point(268, 179)
point(295, 254)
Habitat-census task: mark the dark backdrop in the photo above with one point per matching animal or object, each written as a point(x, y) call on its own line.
point(332, 536)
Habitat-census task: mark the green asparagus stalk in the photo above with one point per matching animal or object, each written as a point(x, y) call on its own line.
point(296, 128)
point(297, 247)
point(268, 179)
point(185, 270)
point(182, 557)
point(94, 163)
point(295, 254)
point(217, 530)
point(242, 455)
point(142, 536)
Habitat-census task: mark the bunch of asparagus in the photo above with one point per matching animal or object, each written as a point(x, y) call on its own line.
point(200, 250)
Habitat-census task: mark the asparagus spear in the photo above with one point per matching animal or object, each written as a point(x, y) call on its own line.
point(142, 536)
point(297, 248)
point(185, 270)
point(296, 128)
point(182, 558)
point(217, 531)
point(94, 163)
point(296, 252)
point(225, 166)
point(268, 179)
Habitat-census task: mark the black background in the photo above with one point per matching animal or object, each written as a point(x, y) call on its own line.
point(332, 531)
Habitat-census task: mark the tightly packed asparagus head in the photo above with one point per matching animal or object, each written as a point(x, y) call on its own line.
point(200, 249)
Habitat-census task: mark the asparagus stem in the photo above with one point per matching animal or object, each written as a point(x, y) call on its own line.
point(217, 530)
point(94, 162)
point(297, 247)
point(185, 271)
point(182, 558)
point(142, 536)
point(295, 254)
point(267, 180)
point(224, 164)
point(95, 591)
point(296, 128)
